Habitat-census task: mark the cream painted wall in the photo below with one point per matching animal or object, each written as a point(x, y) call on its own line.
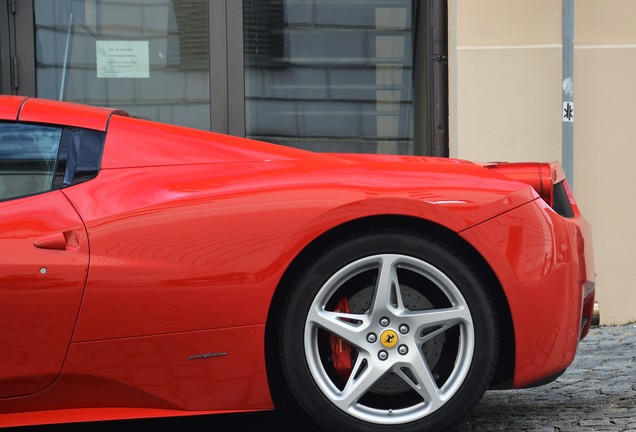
point(605, 145)
point(505, 104)
point(506, 79)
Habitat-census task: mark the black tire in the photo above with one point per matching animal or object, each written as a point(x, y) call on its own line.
point(440, 342)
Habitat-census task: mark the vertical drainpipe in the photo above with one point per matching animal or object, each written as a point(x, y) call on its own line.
point(567, 113)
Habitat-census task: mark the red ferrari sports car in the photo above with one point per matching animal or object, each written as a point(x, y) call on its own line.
point(151, 270)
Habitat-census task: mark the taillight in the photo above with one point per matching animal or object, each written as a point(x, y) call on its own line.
point(540, 176)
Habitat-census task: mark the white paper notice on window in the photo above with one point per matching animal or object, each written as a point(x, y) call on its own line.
point(122, 59)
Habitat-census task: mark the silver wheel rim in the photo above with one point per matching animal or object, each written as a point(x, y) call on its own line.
point(426, 392)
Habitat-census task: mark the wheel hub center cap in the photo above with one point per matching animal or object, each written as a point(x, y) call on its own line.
point(389, 338)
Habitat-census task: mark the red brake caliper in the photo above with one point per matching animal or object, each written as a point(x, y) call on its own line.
point(340, 350)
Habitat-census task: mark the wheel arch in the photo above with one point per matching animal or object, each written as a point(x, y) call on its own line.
point(505, 365)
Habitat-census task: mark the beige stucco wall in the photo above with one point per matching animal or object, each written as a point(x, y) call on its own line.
point(505, 104)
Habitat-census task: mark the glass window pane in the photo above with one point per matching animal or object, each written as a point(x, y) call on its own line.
point(27, 159)
point(330, 75)
point(149, 57)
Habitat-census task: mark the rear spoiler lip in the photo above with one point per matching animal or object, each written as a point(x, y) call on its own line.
point(541, 176)
point(556, 170)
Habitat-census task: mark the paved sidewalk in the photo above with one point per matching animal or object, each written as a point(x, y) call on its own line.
point(597, 393)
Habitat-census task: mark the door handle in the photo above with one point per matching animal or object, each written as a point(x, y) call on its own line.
point(58, 241)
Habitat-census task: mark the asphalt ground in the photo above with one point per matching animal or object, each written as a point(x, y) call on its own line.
point(597, 393)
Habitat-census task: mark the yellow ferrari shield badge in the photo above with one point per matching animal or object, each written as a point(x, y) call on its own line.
point(389, 338)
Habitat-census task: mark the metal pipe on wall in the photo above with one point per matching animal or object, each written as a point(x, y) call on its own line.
point(567, 113)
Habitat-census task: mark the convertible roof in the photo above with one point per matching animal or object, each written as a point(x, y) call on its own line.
point(27, 109)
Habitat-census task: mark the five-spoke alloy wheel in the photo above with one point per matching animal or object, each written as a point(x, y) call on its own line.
point(389, 330)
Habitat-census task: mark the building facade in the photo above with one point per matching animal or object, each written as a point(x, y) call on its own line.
point(478, 80)
point(324, 75)
point(505, 104)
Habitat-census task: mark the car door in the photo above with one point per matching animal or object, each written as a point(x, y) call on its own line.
point(43, 260)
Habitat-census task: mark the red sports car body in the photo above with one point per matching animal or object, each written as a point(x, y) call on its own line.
point(151, 270)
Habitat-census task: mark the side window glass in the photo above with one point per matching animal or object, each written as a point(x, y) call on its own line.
point(28, 155)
